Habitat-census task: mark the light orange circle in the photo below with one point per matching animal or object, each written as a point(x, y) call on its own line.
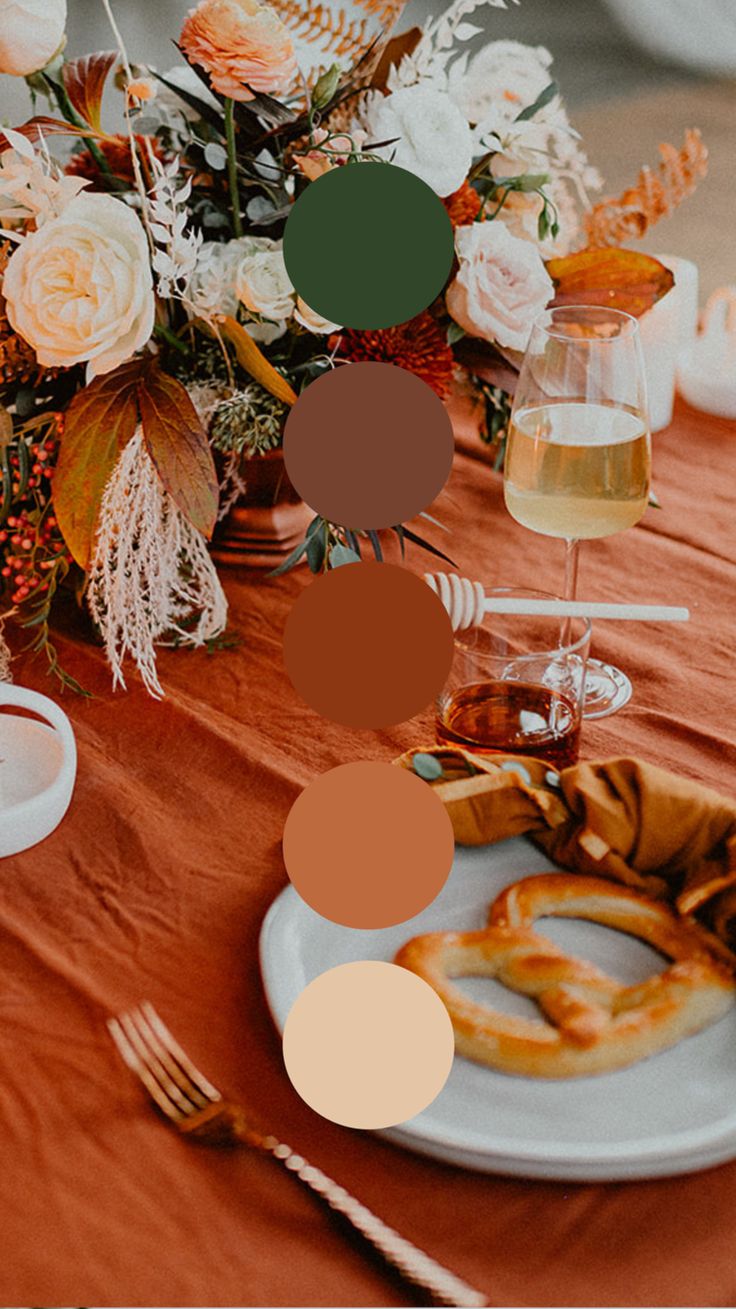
point(368, 1044)
point(368, 845)
point(368, 645)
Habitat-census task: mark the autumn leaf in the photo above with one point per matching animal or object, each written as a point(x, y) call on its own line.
point(619, 279)
point(84, 82)
point(98, 423)
point(254, 361)
point(36, 129)
point(177, 443)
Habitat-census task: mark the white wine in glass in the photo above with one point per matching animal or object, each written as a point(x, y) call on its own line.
point(578, 456)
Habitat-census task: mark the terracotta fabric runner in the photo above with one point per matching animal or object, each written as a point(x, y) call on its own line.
point(155, 886)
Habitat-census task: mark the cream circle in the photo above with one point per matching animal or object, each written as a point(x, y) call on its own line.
point(368, 1044)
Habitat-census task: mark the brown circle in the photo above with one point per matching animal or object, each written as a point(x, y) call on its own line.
point(368, 645)
point(368, 845)
point(368, 445)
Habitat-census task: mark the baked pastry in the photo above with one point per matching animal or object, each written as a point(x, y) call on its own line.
point(591, 1023)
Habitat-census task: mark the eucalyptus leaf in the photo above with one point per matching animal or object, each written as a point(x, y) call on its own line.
point(216, 156)
point(427, 766)
point(341, 555)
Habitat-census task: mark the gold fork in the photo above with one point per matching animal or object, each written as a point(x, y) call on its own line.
point(199, 1110)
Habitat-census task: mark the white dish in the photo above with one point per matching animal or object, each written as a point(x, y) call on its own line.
point(38, 767)
point(673, 1113)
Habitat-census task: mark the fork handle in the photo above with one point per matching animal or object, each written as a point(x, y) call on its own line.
point(413, 1264)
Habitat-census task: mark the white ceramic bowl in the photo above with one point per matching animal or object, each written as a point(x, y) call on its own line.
point(38, 767)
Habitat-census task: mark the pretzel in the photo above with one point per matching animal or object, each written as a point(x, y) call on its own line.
point(592, 1023)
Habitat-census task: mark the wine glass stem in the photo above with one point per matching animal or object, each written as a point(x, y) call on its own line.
point(572, 554)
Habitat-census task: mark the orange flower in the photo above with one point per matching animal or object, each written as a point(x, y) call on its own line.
point(463, 205)
point(240, 42)
point(420, 346)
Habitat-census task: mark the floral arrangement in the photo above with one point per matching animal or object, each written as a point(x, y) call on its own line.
point(151, 341)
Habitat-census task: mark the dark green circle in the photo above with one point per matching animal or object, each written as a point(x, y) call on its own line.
point(368, 245)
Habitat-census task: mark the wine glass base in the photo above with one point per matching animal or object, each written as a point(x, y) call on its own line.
point(607, 690)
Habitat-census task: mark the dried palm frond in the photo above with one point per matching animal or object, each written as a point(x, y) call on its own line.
point(656, 193)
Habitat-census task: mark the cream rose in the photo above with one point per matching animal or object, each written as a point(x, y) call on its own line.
point(80, 289)
point(313, 321)
point(501, 285)
point(240, 43)
point(31, 32)
point(263, 284)
point(434, 140)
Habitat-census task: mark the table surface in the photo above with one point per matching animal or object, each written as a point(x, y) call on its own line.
point(155, 886)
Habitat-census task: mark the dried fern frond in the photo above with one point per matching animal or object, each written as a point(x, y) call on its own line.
point(325, 32)
point(656, 193)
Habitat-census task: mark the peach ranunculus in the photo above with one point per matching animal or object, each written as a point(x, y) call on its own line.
point(239, 42)
point(80, 289)
point(501, 285)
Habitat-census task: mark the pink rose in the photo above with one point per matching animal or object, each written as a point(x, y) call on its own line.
point(501, 285)
point(239, 42)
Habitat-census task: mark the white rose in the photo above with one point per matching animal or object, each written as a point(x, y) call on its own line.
point(264, 286)
point(434, 140)
point(313, 321)
point(501, 285)
point(31, 32)
point(213, 285)
point(80, 289)
point(504, 74)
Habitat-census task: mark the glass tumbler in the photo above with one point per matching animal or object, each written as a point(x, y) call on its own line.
point(514, 688)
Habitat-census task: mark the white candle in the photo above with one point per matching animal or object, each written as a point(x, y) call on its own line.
point(665, 330)
point(38, 766)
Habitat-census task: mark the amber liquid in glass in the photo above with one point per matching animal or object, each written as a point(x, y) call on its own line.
point(512, 718)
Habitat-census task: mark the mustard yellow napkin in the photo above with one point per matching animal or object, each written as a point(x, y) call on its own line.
point(619, 818)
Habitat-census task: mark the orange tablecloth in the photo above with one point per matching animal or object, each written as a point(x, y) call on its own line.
point(155, 886)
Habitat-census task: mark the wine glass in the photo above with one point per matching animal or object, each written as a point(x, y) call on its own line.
point(578, 456)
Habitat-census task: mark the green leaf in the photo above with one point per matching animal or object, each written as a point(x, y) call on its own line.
point(549, 93)
point(454, 333)
point(177, 443)
point(427, 766)
point(99, 422)
point(316, 552)
point(290, 561)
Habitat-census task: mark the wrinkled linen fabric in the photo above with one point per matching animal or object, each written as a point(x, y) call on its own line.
point(155, 886)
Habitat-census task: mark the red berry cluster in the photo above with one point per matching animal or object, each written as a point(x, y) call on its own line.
point(30, 542)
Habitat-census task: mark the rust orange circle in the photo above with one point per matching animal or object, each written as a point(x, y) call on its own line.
point(368, 645)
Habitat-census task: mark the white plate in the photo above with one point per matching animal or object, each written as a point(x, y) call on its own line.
point(673, 1113)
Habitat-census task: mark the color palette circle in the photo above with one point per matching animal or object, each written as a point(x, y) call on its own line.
point(368, 245)
point(368, 845)
point(368, 445)
point(368, 1044)
point(368, 645)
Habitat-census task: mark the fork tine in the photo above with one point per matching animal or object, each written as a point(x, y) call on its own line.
point(137, 1065)
point(174, 1049)
point(186, 1098)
